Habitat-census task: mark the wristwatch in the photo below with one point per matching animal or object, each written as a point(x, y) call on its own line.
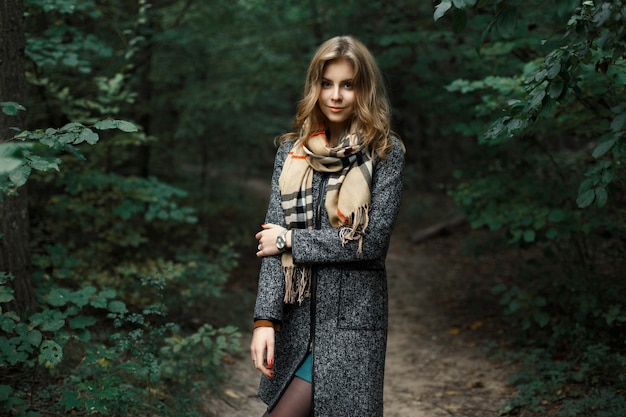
point(281, 242)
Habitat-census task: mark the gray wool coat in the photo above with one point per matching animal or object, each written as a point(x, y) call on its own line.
point(345, 319)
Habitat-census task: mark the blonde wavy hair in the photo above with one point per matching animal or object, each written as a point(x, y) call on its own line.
point(372, 116)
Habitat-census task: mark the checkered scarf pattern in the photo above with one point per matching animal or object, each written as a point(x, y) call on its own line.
point(348, 195)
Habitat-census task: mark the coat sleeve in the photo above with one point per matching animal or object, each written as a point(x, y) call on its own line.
point(271, 289)
point(324, 246)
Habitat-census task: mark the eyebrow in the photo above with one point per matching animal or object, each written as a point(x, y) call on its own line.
point(340, 82)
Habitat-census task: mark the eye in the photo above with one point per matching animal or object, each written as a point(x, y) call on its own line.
point(348, 85)
point(325, 84)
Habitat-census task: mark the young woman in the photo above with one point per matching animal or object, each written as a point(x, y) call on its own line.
point(320, 328)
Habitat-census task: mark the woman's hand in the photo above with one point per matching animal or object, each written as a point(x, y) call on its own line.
point(262, 350)
point(267, 240)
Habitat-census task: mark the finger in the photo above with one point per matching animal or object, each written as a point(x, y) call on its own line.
point(270, 354)
point(259, 365)
point(258, 356)
point(259, 247)
point(266, 371)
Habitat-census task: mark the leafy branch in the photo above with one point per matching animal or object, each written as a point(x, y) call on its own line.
point(589, 59)
point(38, 149)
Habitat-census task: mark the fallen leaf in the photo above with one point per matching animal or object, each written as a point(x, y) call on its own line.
point(476, 325)
point(451, 407)
point(231, 393)
point(476, 384)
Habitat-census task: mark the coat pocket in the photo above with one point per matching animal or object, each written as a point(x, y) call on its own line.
point(363, 300)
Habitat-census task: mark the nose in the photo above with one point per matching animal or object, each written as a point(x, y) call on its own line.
point(336, 96)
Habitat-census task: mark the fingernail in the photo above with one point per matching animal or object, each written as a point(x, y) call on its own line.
point(270, 363)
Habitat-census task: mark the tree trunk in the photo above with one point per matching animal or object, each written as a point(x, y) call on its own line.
point(14, 252)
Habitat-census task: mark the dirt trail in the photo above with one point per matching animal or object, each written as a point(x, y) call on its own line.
point(436, 365)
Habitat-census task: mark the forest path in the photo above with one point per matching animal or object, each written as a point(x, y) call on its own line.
point(440, 310)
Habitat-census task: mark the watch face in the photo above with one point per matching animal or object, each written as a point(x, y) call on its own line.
point(280, 242)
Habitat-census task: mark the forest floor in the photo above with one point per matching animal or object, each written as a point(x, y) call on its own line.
point(441, 317)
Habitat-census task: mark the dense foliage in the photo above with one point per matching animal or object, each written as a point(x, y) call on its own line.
point(146, 120)
point(553, 182)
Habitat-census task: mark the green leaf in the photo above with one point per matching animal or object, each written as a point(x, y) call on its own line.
point(20, 175)
point(34, 337)
point(58, 297)
point(601, 197)
point(556, 89)
point(12, 155)
point(529, 236)
point(441, 9)
point(586, 185)
point(102, 298)
point(585, 199)
point(105, 124)
point(81, 297)
point(542, 319)
point(70, 400)
point(125, 126)
point(483, 35)
point(83, 335)
point(122, 125)
point(548, 108)
point(552, 233)
point(48, 320)
point(506, 22)
point(5, 277)
point(81, 322)
point(5, 392)
point(536, 98)
point(541, 75)
point(11, 108)
point(617, 124)
point(607, 176)
point(7, 324)
point(554, 70)
point(117, 307)
point(6, 294)
point(87, 135)
point(556, 216)
point(50, 351)
point(603, 148)
point(499, 289)
point(515, 305)
point(43, 163)
point(71, 127)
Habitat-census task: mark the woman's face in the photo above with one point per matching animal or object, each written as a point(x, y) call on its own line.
point(337, 96)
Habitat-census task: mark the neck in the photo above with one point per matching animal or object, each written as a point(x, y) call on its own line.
point(333, 136)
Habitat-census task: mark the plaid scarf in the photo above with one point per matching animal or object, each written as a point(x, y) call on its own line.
point(348, 196)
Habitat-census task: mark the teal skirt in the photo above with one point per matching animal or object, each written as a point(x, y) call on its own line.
point(305, 371)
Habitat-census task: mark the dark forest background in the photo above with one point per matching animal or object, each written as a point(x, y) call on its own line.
point(131, 134)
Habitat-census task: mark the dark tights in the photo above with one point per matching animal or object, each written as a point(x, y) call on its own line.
point(295, 402)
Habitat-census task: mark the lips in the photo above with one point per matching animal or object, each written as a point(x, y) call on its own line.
point(335, 109)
